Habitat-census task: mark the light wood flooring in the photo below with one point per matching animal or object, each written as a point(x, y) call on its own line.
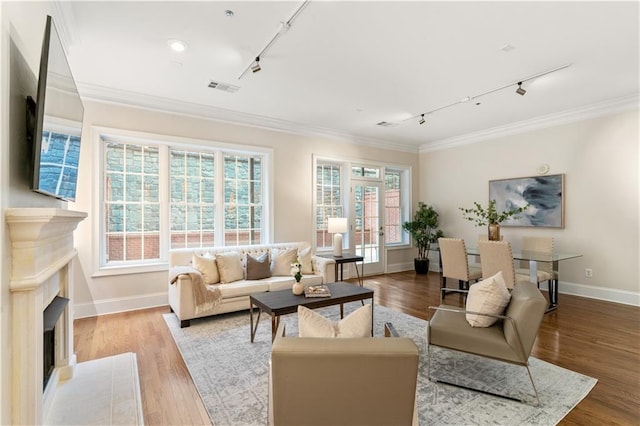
point(592, 337)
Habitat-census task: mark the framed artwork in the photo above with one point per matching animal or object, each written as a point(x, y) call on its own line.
point(544, 194)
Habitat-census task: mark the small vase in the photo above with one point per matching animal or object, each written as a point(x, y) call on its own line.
point(494, 232)
point(297, 288)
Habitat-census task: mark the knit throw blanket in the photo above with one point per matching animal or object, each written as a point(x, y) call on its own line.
point(206, 296)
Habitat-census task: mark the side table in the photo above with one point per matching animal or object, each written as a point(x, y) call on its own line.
point(347, 258)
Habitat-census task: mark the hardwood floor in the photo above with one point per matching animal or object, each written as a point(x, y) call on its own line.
point(599, 339)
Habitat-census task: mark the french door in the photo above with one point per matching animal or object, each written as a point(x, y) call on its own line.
point(367, 200)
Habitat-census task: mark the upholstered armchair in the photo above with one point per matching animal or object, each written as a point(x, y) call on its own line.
point(342, 381)
point(510, 339)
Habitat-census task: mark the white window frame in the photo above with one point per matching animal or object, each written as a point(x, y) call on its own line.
point(405, 203)
point(99, 134)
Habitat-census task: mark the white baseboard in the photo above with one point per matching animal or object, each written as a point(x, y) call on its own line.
point(600, 293)
point(119, 304)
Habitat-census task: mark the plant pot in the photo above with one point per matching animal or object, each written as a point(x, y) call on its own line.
point(421, 265)
point(494, 232)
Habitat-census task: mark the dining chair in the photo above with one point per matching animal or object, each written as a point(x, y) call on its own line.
point(455, 265)
point(496, 256)
point(544, 269)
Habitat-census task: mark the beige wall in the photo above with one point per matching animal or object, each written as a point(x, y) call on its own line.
point(292, 195)
point(599, 158)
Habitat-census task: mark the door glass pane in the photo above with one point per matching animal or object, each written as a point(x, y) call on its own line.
point(367, 221)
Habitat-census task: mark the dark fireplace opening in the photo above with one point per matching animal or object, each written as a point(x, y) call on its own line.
point(50, 318)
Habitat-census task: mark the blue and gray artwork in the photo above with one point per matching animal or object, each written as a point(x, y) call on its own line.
point(59, 158)
point(543, 194)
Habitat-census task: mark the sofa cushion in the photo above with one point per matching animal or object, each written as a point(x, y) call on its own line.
point(356, 324)
point(489, 296)
point(304, 256)
point(229, 266)
point(258, 267)
point(281, 260)
point(207, 267)
point(243, 288)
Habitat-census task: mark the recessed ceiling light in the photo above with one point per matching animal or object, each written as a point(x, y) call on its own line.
point(507, 48)
point(228, 13)
point(177, 45)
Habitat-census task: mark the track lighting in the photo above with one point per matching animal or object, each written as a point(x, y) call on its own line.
point(256, 66)
point(422, 120)
point(520, 90)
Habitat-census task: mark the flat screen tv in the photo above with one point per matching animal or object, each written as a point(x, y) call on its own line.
point(55, 122)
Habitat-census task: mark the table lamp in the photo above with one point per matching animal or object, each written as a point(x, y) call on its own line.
point(336, 226)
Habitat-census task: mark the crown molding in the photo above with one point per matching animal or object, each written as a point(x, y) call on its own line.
point(138, 100)
point(556, 119)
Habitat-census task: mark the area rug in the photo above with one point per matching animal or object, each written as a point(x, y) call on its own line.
point(230, 374)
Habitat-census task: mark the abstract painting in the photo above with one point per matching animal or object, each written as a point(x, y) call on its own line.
point(543, 194)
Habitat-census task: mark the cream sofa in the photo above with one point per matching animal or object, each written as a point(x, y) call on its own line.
point(235, 295)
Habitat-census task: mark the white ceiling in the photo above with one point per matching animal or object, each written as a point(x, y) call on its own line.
point(342, 67)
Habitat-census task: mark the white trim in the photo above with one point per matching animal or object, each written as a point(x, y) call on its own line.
point(600, 293)
point(120, 304)
point(221, 115)
point(549, 120)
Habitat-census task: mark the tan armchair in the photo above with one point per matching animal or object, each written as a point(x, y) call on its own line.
point(342, 381)
point(510, 339)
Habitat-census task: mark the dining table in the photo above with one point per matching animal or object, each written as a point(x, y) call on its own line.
point(534, 257)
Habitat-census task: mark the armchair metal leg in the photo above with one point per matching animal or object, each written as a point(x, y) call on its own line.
point(537, 404)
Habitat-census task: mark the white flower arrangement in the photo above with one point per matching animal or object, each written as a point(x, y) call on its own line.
point(296, 270)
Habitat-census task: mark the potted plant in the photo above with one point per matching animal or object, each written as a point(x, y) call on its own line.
point(424, 230)
point(490, 217)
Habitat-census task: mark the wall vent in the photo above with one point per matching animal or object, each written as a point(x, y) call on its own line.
point(225, 87)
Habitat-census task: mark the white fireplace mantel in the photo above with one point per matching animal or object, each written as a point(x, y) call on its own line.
point(41, 243)
point(42, 255)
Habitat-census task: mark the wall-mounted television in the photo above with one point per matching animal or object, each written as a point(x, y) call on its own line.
point(54, 125)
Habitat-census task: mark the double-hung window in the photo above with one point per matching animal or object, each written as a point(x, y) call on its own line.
point(162, 195)
point(329, 199)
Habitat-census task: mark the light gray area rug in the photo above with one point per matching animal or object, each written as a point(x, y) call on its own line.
point(230, 374)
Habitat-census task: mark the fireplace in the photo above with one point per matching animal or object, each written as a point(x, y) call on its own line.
point(42, 256)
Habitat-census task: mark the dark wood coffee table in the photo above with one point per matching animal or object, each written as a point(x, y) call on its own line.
point(282, 302)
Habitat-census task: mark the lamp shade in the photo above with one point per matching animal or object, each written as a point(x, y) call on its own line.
point(337, 225)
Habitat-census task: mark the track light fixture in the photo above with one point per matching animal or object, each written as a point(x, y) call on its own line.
point(520, 91)
point(256, 65)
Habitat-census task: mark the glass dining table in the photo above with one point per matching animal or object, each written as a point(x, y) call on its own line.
point(534, 257)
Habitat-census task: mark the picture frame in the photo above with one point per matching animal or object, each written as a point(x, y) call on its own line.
point(544, 194)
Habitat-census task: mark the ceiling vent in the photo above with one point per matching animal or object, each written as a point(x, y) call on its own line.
point(225, 87)
point(386, 124)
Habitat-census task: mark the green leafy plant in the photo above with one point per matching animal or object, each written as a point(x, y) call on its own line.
point(483, 217)
point(424, 229)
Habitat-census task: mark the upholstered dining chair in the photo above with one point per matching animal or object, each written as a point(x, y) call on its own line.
point(545, 269)
point(510, 339)
point(455, 265)
point(496, 256)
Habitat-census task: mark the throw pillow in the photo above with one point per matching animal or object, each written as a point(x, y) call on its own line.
point(281, 260)
point(356, 324)
point(229, 266)
point(207, 267)
point(489, 296)
point(304, 256)
point(258, 267)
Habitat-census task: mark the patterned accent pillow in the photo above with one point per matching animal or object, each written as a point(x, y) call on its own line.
point(489, 296)
point(304, 256)
point(356, 324)
point(229, 266)
point(281, 260)
point(258, 267)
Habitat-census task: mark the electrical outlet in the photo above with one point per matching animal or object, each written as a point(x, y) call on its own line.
point(588, 273)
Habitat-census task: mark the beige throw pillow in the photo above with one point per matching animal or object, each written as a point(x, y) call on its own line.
point(207, 267)
point(229, 267)
point(258, 267)
point(489, 296)
point(356, 324)
point(281, 260)
point(304, 256)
